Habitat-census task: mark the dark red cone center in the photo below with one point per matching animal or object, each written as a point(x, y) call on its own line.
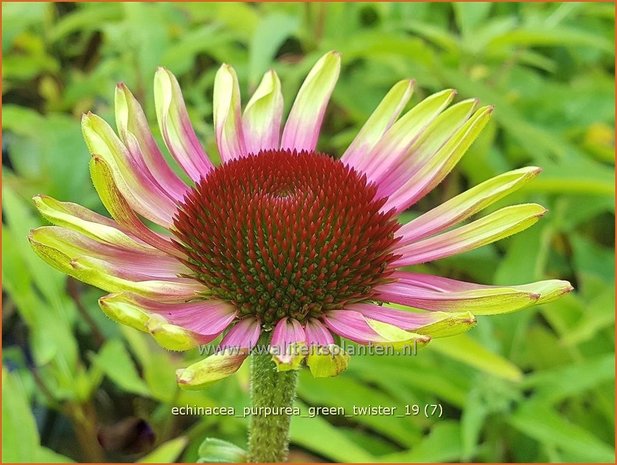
point(286, 234)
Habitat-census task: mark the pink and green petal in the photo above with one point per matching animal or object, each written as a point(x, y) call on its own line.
point(424, 147)
point(176, 326)
point(126, 262)
point(498, 225)
point(435, 169)
point(394, 146)
point(213, 368)
point(121, 211)
point(356, 327)
point(227, 114)
point(304, 121)
point(287, 345)
point(84, 221)
point(327, 361)
point(493, 296)
point(176, 127)
point(261, 120)
point(465, 205)
point(433, 324)
point(378, 123)
point(136, 184)
point(92, 271)
point(244, 335)
point(135, 132)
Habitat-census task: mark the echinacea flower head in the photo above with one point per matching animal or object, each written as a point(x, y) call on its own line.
point(279, 241)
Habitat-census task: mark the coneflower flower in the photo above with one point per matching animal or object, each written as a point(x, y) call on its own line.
point(282, 243)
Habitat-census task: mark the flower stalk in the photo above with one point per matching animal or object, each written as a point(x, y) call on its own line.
point(271, 391)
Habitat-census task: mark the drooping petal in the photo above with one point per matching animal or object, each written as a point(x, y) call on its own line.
point(304, 121)
point(100, 273)
point(378, 123)
point(498, 225)
point(395, 143)
point(326, 361)
point(176, 326)
point(261, 120)
point(544, 291)
point(130, 260)
point(140, 191)
point(465, 205)
point(227, 114)
point(287, 345)
point(84, 221)
point(434, 324)
point(437, 166)
point(317, 334)
point(176, 127)
point(121, 211)
point(354, 326)
point(213, 368)
point(135, 132)
point(244, 335)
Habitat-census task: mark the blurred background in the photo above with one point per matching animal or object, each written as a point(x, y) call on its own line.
point(537, 385)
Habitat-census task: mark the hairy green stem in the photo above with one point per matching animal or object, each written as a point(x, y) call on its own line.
point(272, 395)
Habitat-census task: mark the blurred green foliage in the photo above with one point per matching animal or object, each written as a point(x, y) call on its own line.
point(531, 386)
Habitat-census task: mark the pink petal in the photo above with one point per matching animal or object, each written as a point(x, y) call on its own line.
point(351, 325)
point(176, 127)
point(287, 331)
point(135, 132)
point(206, 317)
point(317, 334)
point(400, 318)
point(243, 335)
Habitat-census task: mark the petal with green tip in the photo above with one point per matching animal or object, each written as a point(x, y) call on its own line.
point(213, 368)
point(121, 211)
point(262, 116)
point(135, 132)
point(395, 143)
point(227, 114)
point(498, 225)
point(87, 222)
point(438, 293)
point(465, 205)
point(140, 190)
point(438, 164)
point(304, 121)
point(378, 123)
point(356, 327)
point(176, 127)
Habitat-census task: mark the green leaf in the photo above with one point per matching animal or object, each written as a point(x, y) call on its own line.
point(114, 360)
point(213, 450)
point(545, 425)
point(310, 433)
point(270, 34)
point(20, 437)
point(167, 452)
point(467, 350)
point(442, 444)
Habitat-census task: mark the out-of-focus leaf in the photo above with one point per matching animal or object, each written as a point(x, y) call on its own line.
point(310, 433)
point(443, 444)
point(271, 32)
point(467, 350)
point(116, 363)
point(167, 452)
point(544, 424)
